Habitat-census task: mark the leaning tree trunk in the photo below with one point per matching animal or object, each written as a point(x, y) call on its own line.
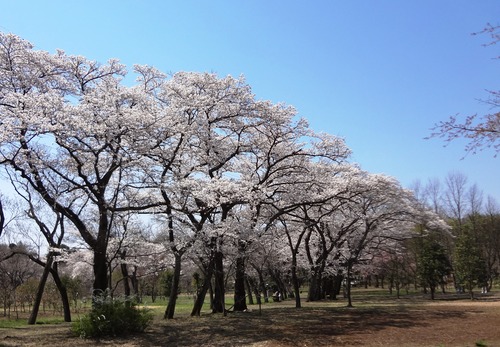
point(61, 287)
point(172, 300)
point(39, 292)
point(200, 295)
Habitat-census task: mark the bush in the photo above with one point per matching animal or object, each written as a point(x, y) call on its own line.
point(112, 318)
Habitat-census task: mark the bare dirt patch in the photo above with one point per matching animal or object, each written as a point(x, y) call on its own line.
point(412, 322)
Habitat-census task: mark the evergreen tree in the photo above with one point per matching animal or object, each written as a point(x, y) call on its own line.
point(432, 264)
point(469, 265)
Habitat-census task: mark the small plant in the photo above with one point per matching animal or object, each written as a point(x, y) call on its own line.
point(112, 317)
point(481, 343)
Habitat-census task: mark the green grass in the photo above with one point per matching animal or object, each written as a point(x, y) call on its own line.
point(13, 323)
point(19, 323)
point(183, 306)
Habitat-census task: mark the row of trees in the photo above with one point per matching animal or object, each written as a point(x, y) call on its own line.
point(473, 248)
point(463, 258)
point(185, 171)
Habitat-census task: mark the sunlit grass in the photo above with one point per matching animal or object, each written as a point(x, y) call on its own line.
point(183, 307)
point(19, 323)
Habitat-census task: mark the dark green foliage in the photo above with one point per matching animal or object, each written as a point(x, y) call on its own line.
point(433, 264)
point(470, 267)
point(166, 280)
point(112, 318)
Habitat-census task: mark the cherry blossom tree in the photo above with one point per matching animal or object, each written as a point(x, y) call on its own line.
point(384, 213)
point(482, 131)
point(283, 170)
point(67, 122)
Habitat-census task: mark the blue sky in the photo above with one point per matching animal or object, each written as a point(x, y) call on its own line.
point(378, 73)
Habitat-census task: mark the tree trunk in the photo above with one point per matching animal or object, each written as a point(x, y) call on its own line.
point(314, 286)
point(262, 284)
point(135, 284)
point(337, 285)
point(124, 269)
point(219, 302)
point(100, 272)
point(249, 288)
point(328, 287)
point(348, 286)
point(61, 287)
point(240, 303)
point(296, 284)
point(39, 292)
point(169, 312)
point(200, 295)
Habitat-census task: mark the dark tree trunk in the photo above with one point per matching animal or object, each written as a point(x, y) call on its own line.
point(337, 285)
point(240, 303)
point(39, 292)
point(63, 292)
point(296, 285)
point(100, 260)
point(219, 302)
point(100, 272)
point(169, 312)
point(329, 288)
point(200, 295)
point(314, 286)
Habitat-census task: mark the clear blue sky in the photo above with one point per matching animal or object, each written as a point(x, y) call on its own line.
point(378, 73)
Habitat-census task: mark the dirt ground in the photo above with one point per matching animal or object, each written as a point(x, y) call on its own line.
point(406, 322)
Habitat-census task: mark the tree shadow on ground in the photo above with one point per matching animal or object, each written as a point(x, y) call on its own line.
point(293, 327)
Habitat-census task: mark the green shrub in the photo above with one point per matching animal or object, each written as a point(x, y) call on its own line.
point(111, 317)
